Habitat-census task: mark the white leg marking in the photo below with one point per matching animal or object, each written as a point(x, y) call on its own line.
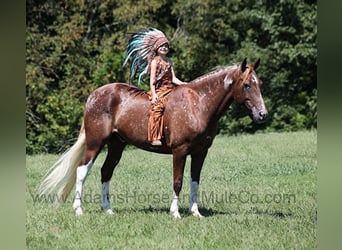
point(105, 203)
point(193, 199)
point(82, 172)
point(174, 207)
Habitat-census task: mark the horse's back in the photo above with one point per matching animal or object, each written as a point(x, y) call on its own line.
point(124, 109)
point(111, 95)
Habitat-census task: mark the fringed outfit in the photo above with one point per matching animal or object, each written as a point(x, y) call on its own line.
point(164, 86)
point(141, 50)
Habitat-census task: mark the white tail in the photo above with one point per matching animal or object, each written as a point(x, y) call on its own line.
point(62, 176)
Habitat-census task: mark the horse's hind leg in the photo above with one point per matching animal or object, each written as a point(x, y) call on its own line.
point(81, 175)
point(94, 143)
point(115, 148)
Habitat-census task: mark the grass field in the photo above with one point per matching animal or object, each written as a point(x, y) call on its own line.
point(257, 192)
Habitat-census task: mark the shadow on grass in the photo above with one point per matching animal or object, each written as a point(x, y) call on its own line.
point(212, 212)
point(204, 211)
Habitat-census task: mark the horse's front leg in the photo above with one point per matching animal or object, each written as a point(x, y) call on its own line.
point(196, 167)
point(179, 158)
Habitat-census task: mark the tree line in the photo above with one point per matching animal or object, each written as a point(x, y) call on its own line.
point(73, 47)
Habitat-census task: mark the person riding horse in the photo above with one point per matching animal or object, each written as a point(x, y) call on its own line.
point(147, 49)
point(117, 115)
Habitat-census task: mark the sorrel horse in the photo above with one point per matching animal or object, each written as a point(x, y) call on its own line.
point(117, 114)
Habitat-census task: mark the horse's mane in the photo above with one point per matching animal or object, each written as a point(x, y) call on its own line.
point(216, 70)
point(134, 90)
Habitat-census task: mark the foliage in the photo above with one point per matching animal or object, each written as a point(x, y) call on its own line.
point(73, 47)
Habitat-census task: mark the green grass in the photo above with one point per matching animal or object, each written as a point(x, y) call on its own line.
point(257, 192)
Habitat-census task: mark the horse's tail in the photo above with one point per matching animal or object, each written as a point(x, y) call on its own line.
point(61, 178)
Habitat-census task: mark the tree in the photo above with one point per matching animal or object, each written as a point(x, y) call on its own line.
point(73, 47)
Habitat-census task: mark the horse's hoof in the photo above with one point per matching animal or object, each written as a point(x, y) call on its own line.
point(176, 215)
point(197, 215)
point(108, 211)
point(78, 211)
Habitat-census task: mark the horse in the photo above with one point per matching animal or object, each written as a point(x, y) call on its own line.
point(117, 114)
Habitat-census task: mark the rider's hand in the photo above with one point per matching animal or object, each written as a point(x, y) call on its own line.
point(154, 99)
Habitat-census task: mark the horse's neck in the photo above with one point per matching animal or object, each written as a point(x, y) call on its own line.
point(215, 95)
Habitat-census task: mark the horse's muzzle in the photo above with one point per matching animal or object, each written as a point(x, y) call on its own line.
point(259, 115)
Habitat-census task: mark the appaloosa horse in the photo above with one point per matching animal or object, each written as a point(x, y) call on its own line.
point(117, 114)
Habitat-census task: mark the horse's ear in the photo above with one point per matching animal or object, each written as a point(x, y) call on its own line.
point(256, 64)
point(244, 65)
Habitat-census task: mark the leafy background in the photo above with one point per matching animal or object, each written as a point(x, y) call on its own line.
point(73, 47)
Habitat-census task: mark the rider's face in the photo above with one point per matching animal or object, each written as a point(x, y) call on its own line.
point(163, 49)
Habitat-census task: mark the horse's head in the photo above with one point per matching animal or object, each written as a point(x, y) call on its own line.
point(247, 91)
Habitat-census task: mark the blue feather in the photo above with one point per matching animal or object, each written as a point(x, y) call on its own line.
point(139, 48)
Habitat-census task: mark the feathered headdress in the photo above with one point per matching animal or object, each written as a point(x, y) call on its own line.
point(141, 48)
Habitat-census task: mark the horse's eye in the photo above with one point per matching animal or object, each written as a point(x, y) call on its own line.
point(246, 86)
